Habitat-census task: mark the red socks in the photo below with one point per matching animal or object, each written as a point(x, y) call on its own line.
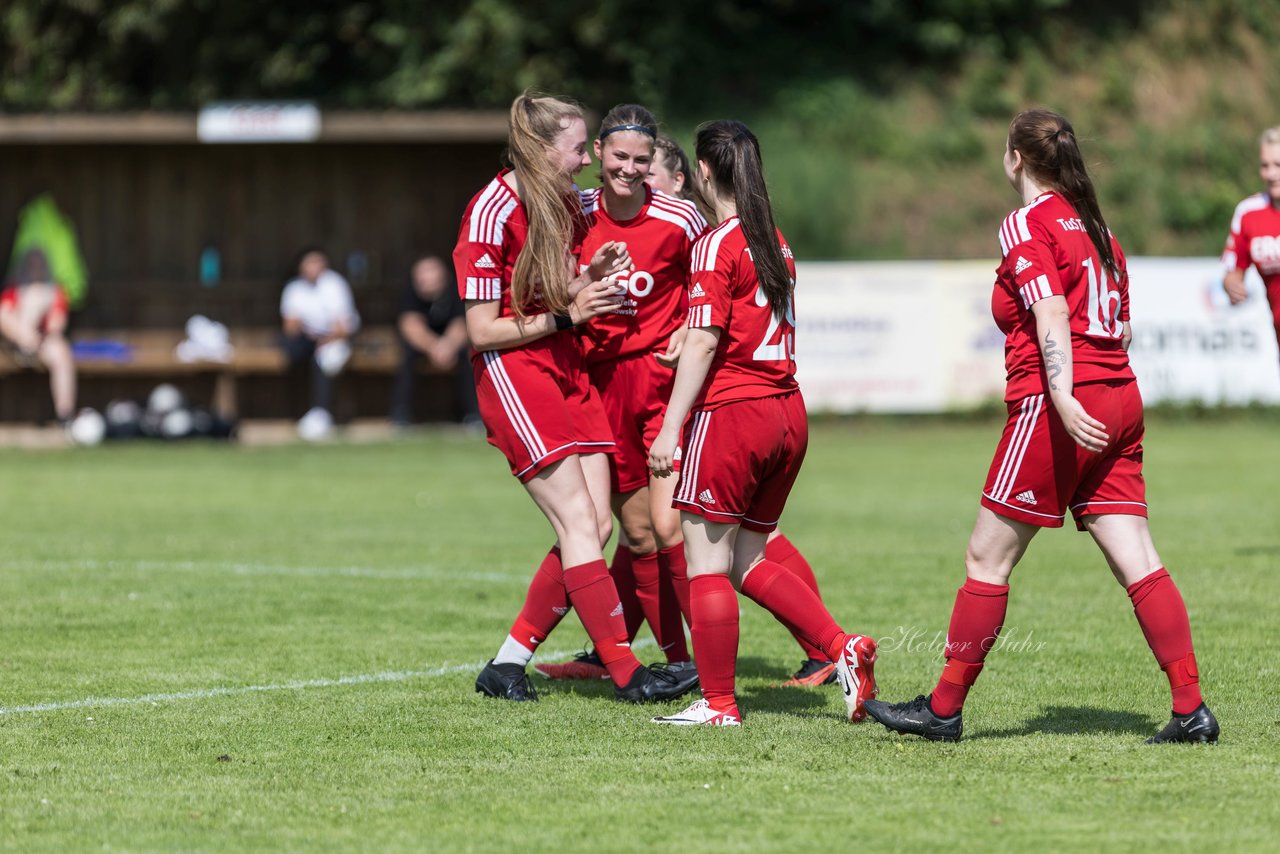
point(976, 621)
point(715, 637)
point(545, 604)
point(595, 598)
point(781, 550)
point(672, 618)
point(660, 607)
point(1163, 617)
point(780, 592)
point(625, 581)
point(672, 568)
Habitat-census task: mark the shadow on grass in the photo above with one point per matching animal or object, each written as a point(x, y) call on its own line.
point(755, 667)
point(774, 697)
point(1246, 551)
point(1078, 720)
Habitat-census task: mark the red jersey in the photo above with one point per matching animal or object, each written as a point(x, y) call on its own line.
point(659, 239)
point(1046, 251)
point(756, 354)
point(490, 238)
point(1255, 239)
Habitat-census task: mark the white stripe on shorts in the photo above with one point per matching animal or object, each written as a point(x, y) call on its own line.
point(1018, 443)
point(689, 466)
point(514, 407)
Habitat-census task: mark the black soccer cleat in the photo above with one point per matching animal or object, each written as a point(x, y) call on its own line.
point(1198, 727)
point(916, 718)
point(657, 683)
point(813, 672)
point(506, 682)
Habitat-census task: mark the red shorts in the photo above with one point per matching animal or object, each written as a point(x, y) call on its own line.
point(634, 390)
point(10, 297)
point(1039, 472)
point(741, 460)
point(538, 406)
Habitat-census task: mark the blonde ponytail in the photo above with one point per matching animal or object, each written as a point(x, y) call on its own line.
point(544, 261)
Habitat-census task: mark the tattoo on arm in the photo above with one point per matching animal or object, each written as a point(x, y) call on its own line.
point(1054, 359)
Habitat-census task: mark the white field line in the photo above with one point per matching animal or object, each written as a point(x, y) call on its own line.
point(293, 685)
point(425, 572)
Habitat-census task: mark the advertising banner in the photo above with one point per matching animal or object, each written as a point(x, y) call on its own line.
point(917, 336)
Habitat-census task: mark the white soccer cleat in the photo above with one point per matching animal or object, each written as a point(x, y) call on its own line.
point(700, 713)
point(855, 670)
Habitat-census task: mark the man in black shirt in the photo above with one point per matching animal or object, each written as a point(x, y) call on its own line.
point(432, 326)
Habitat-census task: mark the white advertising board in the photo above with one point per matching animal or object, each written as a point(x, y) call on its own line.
point(1190, 344)
point(257, 121)
point(896, 336)
point(917, 336)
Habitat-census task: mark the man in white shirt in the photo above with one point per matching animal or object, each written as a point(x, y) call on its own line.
point(319, 317)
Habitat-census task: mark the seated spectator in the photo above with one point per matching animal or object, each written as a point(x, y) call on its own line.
point(319, 317)
point(432, 326)
point(33, 315)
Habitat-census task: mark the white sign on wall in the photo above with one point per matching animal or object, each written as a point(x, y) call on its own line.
point(258, 121)
point(1191, 344)
point(897, 336)
point(917, 336)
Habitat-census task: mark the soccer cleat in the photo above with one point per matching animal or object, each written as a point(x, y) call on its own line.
point(585, 665)
point(916, 718)
point(506, 682)
point(653, 684)
point(813, 672)
point(700, 713)
point(855, 670)
point(678, 667)
point(1198, 727)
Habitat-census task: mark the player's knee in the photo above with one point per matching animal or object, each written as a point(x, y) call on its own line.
point(989, 568)
point(666, 531)
point(604, 528)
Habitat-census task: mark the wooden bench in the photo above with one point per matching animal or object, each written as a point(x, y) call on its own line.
point(150, 354)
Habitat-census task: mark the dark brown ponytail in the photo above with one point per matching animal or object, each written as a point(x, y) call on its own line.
point(1051, 154)
point(732, 153)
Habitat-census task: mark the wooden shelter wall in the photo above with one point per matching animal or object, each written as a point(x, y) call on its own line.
point(145, 213)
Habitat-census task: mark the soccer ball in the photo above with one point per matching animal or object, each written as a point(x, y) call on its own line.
point(316, 425)
point(88, 427)
point(176, 423)
point(164, 398)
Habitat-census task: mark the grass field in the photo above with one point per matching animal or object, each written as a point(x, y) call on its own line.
point(208, 648)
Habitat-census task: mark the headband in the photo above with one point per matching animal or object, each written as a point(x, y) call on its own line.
point(637, 128)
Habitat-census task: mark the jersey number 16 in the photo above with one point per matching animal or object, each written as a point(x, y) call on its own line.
point(1104, 303)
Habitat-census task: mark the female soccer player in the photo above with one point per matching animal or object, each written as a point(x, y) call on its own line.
point(1062, 299)
point(748, 435)
point(670, 173)
point(1255, 232)
point(630, 354)
point(514, 260)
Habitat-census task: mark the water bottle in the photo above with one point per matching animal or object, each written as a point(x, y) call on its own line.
point(210, 267)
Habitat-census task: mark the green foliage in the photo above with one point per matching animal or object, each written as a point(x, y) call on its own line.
point(865, 105)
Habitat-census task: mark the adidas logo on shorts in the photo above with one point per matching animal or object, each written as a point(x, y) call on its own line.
point(697, 291)
point(1022, 264)
point(676, 455)
point(486, 263)
point(1027, 497)
point(705, 497)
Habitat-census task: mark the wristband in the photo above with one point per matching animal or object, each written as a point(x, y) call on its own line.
point(563, 322)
